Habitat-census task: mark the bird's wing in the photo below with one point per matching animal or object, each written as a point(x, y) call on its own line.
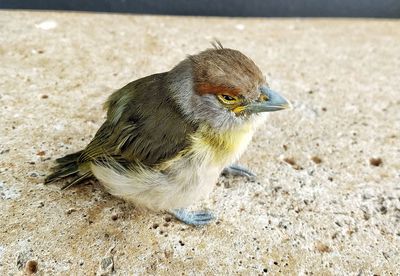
point(143, 125)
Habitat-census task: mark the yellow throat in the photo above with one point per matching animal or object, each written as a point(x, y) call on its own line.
point(222, 148)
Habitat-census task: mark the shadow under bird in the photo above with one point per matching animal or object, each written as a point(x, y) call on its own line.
point(169, 136)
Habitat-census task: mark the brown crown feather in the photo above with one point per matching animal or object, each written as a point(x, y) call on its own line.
point(226, 71)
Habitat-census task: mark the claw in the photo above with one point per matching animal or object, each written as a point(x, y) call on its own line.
point(236, 170)
point(193, 218)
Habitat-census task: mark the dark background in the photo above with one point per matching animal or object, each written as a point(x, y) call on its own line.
point(259, 8)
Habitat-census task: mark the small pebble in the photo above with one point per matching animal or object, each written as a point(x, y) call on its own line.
point(47, 25)
point(31, 267)
point(70, 211)
point(33, 174)
point(240, 27)
point(114, 217)
point(322, 248)
point(290, 161)
point(107, 264)
point(316, 160)
point(293, 163)
point(375, 162)
point(41, 153)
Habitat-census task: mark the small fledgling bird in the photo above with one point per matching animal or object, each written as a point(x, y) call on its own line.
point(168, 136)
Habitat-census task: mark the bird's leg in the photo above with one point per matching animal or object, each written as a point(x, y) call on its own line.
point(236, 170)
point(196, 218)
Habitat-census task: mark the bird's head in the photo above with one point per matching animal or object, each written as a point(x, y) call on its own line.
point(222, 87)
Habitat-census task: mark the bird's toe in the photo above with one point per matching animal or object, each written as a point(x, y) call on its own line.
point(196, 218)
point(236, 170)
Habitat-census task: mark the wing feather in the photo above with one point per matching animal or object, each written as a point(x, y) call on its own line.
point(142, 125)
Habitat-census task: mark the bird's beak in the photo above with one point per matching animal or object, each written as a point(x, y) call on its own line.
point(273, 102)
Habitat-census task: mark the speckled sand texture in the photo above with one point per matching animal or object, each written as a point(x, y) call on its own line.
point(320, 204)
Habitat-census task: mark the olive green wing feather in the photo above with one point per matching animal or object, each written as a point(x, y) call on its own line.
point(143, 125)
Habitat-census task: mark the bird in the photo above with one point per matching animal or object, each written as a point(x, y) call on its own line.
point(168, 137)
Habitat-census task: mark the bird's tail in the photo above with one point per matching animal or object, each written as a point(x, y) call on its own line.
point(68, 166)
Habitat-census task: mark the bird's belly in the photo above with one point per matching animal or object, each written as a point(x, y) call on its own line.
point(184, 180)
point(193, 180)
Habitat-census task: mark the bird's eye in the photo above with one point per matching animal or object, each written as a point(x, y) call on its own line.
point(227, 99)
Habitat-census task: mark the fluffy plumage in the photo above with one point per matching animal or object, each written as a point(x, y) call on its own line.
point(168, 136)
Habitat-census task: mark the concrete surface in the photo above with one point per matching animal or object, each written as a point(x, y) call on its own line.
point(327, 197)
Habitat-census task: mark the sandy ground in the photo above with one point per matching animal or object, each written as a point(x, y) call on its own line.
point(327, 197)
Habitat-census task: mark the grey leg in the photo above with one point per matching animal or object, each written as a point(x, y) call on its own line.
point(236, 170)
point(196, 218)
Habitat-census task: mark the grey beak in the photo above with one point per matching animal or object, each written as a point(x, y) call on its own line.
point(274, 102)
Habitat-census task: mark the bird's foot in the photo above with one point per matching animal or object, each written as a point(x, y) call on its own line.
point(196, 218)
point(236, 170)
